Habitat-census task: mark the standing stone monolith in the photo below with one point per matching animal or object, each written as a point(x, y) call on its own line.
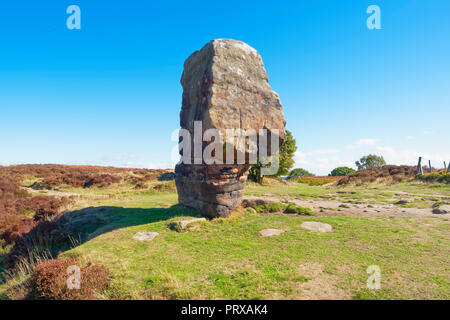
point(225, 86)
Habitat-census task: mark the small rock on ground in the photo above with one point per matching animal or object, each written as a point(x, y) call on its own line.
point(317, 226)
point(442, 210)
point(145, 236)
point(183, 224)
point(270, 232)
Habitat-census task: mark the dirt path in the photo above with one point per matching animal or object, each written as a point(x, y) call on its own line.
point(57, 193)
point(418, 195)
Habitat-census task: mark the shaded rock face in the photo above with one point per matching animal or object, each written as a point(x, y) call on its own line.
point(213, 190)
point(225, 86)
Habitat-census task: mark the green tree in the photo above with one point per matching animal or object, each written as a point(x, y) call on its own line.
point(254, 173)
point(286, 159)
point(299, 172)
point(342, 171)
point(286, 154)
point(370, 161)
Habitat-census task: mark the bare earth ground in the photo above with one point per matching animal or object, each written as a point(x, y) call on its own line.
point(335, 208)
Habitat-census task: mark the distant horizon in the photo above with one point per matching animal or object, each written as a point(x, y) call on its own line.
point(172, 168)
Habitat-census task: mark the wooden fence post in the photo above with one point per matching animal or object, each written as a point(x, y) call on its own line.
point(419, 166)
point(429, 163)
point(445, 165)
point(448, 170)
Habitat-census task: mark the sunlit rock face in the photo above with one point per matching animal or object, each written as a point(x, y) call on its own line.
point(225, 86)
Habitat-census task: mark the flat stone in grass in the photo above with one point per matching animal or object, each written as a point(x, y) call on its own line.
point(145, 236)
point(317, 226)
point(183, 224)
point(270, 232)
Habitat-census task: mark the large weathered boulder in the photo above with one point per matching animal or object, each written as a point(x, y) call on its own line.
point(213, 190)
point(225, 86)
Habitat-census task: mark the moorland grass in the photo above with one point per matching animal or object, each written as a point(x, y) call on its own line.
point(228, 259)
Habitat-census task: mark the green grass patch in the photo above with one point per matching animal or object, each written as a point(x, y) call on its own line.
point(292, 208)
point(228, 259)
point(269, 207)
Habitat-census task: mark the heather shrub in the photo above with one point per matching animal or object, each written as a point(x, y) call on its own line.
point(12, 226)
point(272, 181)
point(51, 176)
point(48, 207)
point(102, 180)
point(399, 178)
point(316, 181)
point(343, 181)
point(438, 176)
point(14, 222)
point(139, 186)
point(17, 206)
point(50, 237)
point(49, 281)
point(140, 182)
point(388, 173)
point(137, 180)
point(165, 187)
point(27, 221)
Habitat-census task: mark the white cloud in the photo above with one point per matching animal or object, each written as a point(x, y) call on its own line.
point(362, 142)
point(410, 157)
point(366, 142)
point(409, 137)
point(322, 151)
point(315, 161)
point(301, 157)
point(161, 165)
point(385, 149)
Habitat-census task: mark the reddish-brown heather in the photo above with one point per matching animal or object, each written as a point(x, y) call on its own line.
point(49, 281)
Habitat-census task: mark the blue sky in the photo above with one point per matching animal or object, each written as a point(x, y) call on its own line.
point(110, 93)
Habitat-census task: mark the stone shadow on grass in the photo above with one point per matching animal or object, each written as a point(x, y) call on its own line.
point(70, 229)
